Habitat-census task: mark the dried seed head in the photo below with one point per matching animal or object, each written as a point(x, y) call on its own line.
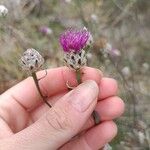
point(31, 60)
point(75, 60)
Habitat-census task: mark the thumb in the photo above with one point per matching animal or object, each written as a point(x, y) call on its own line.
point(62, 121)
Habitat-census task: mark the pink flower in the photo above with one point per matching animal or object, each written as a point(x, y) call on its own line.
point(74, 40)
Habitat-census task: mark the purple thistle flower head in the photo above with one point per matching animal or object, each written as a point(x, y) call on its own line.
point(74, 40)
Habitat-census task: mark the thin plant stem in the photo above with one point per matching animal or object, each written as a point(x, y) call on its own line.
point(96, 117)
point(78, 76)
point(38, 88)
point(95, 114)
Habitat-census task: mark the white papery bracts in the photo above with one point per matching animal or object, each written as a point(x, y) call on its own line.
point(31, 60)
point(75, 60)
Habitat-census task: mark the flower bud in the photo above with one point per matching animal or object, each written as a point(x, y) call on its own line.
point(31, 60)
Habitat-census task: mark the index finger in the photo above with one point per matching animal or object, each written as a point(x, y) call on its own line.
point(26, 94)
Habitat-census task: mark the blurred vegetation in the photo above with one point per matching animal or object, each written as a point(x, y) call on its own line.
point(124, 24)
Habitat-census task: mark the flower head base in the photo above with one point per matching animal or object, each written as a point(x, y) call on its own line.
point(75, 60)
point(3, 10)
point(75, 40)
point(31, 60)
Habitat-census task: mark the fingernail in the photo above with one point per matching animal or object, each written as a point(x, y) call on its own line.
point(82, 96)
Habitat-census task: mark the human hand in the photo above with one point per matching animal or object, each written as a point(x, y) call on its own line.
point(27, 123)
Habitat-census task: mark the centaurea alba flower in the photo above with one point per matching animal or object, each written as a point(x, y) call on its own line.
point(75, 44)
point(32, 61)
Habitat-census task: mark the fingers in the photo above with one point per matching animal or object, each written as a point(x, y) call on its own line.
point(55, 82)
point(94, 138)
point(62, 121)
point(100, 135)
point(105, 83)
point(89, 73)
point(108, 109)
point(108, 87)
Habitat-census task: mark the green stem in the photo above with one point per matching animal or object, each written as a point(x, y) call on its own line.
point(78, 76)
point(38, 88)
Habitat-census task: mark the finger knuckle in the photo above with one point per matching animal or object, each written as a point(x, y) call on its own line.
point(59, 120)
